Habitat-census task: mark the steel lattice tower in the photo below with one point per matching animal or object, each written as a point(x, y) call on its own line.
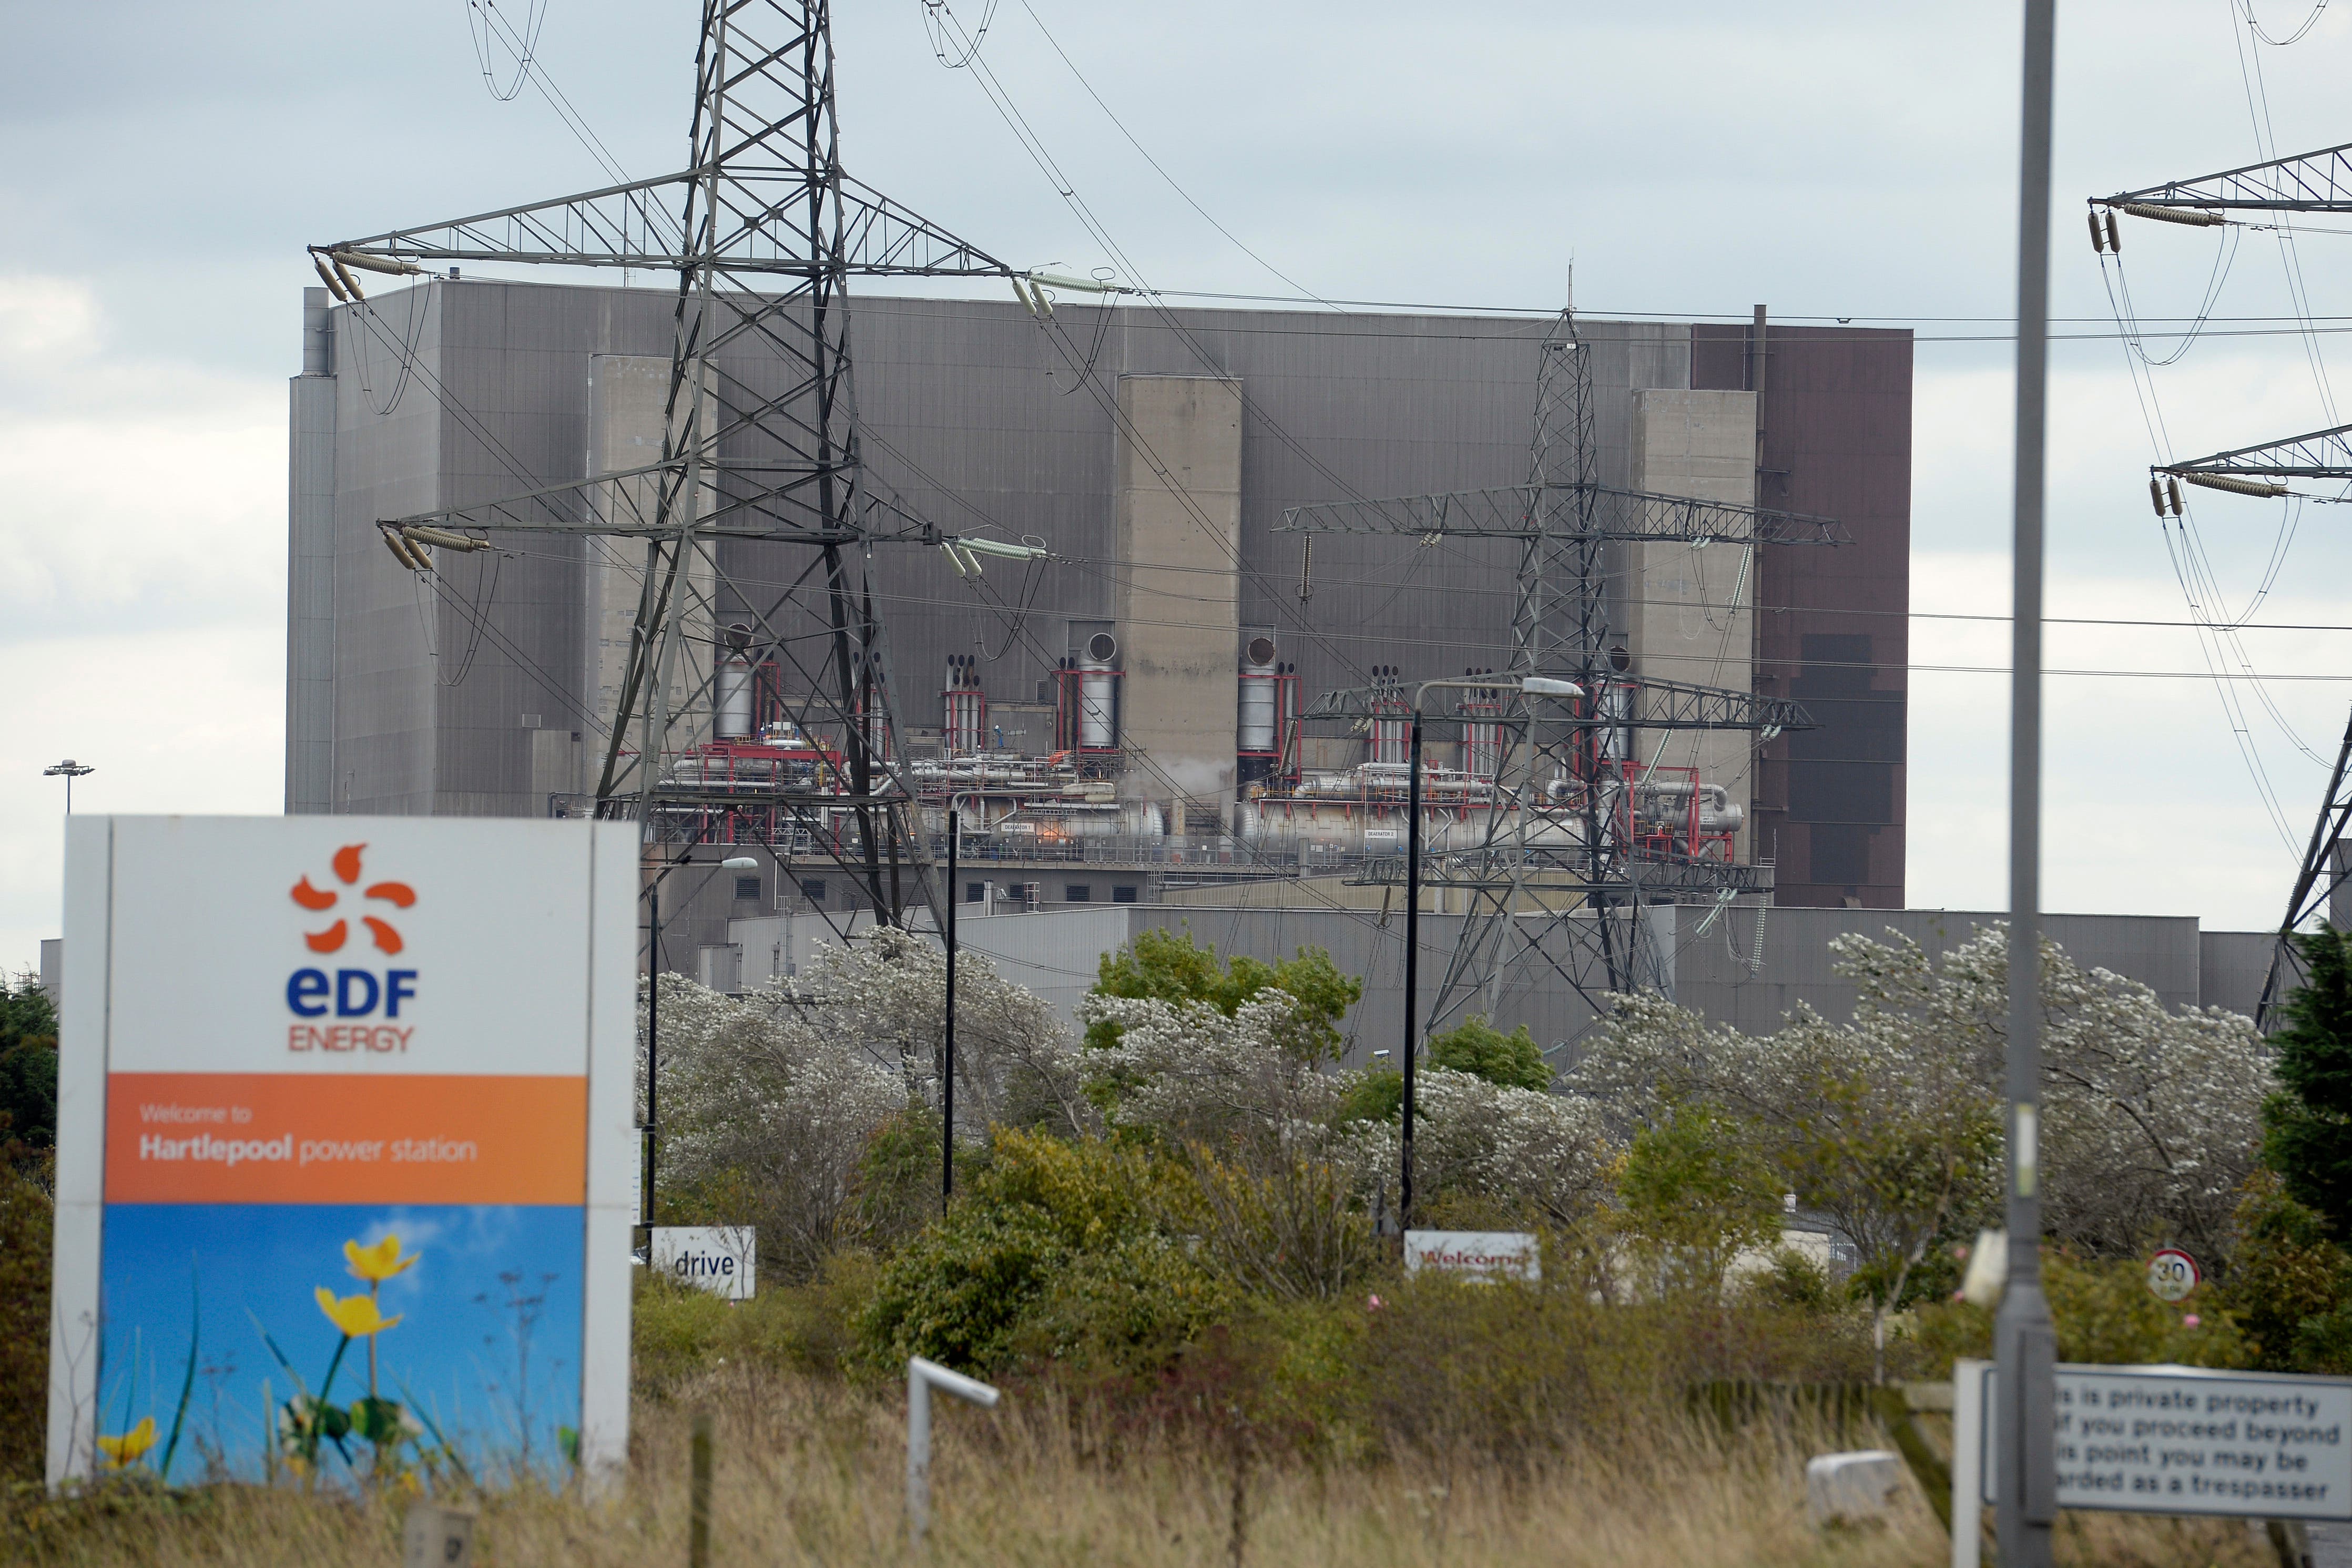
point(1540, 909)
point(760, 460)
point(2318, 182)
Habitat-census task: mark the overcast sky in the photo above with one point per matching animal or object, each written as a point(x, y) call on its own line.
point(161, 166)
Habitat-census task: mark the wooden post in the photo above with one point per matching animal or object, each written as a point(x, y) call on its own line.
point(432, 1536)
point(698, 1529)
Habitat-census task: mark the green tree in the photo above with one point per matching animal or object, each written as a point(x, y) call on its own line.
point(1170, 966)
point(2307, 1124)
point(1697, 1186)
point(2286, 1281)
point(26, 1217)
point(1513, 1061)
point(1053, 1249)
point(28, 1062)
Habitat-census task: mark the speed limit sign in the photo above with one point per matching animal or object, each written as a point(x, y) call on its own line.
point(2172, 1274)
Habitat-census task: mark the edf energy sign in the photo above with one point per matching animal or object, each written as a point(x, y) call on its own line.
point(344, 1157)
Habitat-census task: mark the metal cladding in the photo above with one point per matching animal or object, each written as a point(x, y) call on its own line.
point(957, 415)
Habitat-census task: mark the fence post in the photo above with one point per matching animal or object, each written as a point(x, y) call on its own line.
point(1968, 1462)
point(697, 1527)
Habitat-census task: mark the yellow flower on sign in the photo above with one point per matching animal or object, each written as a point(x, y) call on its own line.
point(357, 1316)
point(130, 1446)
point(378, 1263)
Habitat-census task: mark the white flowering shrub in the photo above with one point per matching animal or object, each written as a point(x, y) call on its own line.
point(1550, 1155)
point(1286, 1175)
point(2151, 1121)
point(772, 1102)
point(1190, 1073)
point(766, 1113)
point(1892, 1124)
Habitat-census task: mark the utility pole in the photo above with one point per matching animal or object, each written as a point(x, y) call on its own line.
point(947, 1054)
point(2025, 1344)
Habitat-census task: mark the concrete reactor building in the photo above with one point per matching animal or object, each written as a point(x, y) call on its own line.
point(1119, 722)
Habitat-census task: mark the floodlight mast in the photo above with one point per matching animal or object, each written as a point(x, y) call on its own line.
point(760, 448)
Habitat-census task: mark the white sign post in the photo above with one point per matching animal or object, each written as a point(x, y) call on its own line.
point(342, 1100)
point(723, 1260)
point(1478, 1254)
point(922, 1377)
point(2169, 1439)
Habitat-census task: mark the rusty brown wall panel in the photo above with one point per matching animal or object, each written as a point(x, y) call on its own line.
point(1833, 627)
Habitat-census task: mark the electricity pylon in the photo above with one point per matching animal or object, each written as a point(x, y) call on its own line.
point(2318, 182)
point(759, 446)
point(2326, 868)
point(1561, 887)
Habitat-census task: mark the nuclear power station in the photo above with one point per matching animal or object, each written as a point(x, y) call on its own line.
point(1125, 714)
point(1554, 626)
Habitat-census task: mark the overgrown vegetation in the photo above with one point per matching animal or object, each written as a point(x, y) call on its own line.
point(1166, 1238)
point(28, 1068)
point(1193, 1168)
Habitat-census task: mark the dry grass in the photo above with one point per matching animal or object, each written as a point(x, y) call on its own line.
point(810, 1471)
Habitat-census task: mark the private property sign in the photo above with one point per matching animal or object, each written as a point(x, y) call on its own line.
point(2179, 1440)
point(344, 1121)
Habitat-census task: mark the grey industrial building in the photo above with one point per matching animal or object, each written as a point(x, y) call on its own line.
point(484, 697)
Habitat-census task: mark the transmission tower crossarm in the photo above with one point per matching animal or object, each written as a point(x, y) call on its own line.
point(2321, 454)
point(1537, 510)
point(2318, 182)
point(762, 230)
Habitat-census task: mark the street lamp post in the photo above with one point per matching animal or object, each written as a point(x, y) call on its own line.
point(947, 1063)
point(652, 1020)
point(2025, 1348)
point(1531, 686)
point(68, 771)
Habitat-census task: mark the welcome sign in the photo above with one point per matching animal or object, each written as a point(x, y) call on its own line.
point(345, 1148)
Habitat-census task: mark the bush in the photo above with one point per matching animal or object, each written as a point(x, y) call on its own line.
point(2104, 1315)
point(1508, 1370)
point(679, 1330)
point(1697, 1191)
point(2285, 1272)
point(2107, 1314)
point(1054, 1250)
point(26, 1214)
point(1513, 1061)
point(28, 1066)
point(1167, 966)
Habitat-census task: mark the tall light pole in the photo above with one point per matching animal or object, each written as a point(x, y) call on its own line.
point(1531, 686)
point(2025, 1342)
point(68, 771)
point(947, 1054)
point(653, 1018)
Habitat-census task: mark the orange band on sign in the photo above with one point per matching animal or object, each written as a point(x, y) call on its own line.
point(287, 1138)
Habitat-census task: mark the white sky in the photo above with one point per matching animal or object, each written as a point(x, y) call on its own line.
point(161, 166)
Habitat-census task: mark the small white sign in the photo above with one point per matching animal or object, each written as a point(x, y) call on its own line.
point(2181, 1439)
point(1479, 1253)
point(723, 1260)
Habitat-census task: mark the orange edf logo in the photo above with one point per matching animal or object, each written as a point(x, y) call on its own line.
point(347, 870)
